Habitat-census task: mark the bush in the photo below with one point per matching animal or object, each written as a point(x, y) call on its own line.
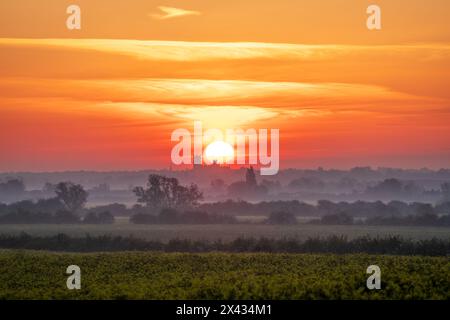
point(168, 216)
point(412, 220)
point(116, 209)
point(341, 218)
point(281, 217)
point(99, 218)
point(26, 217)
point(63, 217)
point(143, 218)
point(172, 216)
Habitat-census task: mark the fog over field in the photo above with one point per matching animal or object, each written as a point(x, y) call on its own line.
point(221, 183)
point(227, 204)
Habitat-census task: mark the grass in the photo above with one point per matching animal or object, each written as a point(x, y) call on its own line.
point(126, 275)
point(165, 233)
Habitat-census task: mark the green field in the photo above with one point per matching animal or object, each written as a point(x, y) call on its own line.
point(227, 232)
point(41, 275)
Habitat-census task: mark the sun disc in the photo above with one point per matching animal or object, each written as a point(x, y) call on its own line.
point(219, 152)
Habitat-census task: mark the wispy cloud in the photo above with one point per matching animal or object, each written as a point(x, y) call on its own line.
point(416, 69)
point(201, 51)
point(291, 98)
point(171, 12)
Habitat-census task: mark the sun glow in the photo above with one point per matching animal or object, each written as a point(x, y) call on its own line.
point(219, 152)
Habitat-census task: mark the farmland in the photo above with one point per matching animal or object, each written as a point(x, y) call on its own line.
point(218, 275)
point(226, 232)
point(139, 275)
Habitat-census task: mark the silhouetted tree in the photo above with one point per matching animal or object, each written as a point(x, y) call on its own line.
point(247, 188)
point(394, 187)
point(73, 196)
point(443, 207)
point(387, 186)
point(422, 208)
point(307, 184)
point(163, 192)
point(250, 178)
point(12, 186)
point(51, 205)
point(49, 188)
point(445, 190)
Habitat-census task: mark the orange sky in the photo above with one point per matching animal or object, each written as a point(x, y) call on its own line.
point(108, 97)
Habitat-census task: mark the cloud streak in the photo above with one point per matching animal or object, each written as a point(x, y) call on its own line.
point(171, 12)
point(292, 97)
point(204, 51)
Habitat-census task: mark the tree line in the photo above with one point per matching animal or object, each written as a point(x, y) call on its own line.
point(326, 207)
point(165, 200)
point(332, 244)
point(65, 207)
point(423, 220)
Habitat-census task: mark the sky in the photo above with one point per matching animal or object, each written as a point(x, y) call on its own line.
point(108, 96)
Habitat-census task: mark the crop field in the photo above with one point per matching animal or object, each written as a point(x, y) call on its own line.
point(139, 275)
point(226, 232)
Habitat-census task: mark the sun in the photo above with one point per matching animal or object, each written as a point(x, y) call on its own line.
point(219, 152)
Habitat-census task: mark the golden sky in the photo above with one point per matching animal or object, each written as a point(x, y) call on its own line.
point(108, 96)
